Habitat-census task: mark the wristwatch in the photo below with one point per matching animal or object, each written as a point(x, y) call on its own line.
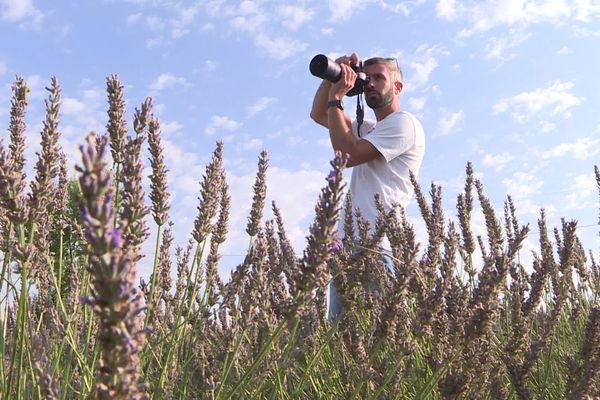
point(335, 103)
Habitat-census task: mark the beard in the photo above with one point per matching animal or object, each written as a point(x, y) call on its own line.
point(381, 100)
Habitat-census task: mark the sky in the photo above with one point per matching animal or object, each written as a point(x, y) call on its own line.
point(511, 86)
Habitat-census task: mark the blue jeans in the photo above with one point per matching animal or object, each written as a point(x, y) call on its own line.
point(335, 301)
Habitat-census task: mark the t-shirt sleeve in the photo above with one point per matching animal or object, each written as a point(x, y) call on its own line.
point(392, 137)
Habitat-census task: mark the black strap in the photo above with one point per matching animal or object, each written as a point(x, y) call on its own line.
point(360, 109)
point(360, 113)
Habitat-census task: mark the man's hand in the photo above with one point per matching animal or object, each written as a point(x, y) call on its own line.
point(344, 85)
point(348, 78)
point(352, 59)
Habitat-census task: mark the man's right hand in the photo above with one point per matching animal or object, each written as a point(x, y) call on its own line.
point(319, 112)
point(352, 59)
point(346, 82)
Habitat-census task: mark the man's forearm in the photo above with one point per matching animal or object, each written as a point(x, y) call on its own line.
point(319, 107)
point(340, 131)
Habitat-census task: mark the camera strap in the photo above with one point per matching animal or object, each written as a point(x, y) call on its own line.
point(360, 113)
point(360, 109)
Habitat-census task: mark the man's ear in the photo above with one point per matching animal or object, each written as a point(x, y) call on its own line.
point(398, 86)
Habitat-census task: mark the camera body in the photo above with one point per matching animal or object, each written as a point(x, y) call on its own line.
point(323, 67)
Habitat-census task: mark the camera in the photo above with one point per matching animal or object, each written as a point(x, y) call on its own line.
point(323, 67)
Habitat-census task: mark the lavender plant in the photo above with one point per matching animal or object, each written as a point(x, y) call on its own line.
point(459, 316)
point(114, 297)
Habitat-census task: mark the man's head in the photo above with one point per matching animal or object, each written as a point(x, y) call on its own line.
point(391, 64)
point(385, 81)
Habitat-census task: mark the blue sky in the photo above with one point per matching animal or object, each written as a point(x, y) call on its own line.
point(510, 85)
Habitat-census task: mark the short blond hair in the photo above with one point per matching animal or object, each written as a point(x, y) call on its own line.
point(392, 66)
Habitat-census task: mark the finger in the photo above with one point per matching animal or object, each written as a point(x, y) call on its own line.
point(348, 75)
point(354, 58)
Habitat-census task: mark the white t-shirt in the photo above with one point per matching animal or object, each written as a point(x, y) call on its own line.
point(400, 139)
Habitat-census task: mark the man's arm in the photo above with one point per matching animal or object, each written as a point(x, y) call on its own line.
point(319, 112)
point(339, 124)
point(319, 107)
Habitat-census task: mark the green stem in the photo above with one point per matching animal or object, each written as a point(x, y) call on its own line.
point(175, 339)
point(263, 353)
point(117, 177)
point(60, 262)
point(154, 273)
point(306, 374)
point(5, 276)
point(23, 311)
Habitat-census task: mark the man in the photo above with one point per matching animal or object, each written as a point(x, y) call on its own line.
point(384, 151)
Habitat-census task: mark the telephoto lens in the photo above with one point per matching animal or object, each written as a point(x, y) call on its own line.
point(323, 67)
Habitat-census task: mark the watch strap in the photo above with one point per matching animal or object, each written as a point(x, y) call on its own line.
point(335, 103)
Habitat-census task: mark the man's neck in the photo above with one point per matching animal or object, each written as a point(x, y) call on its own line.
point(381, 113)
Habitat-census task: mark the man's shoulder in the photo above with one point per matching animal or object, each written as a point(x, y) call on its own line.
point(403, 116)
point(401, 121)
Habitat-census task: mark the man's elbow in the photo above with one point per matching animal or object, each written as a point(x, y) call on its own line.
point(319, 118)
point(351, 162)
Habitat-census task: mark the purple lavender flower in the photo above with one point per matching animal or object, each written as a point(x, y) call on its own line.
point(116, 238)
point(336, 246)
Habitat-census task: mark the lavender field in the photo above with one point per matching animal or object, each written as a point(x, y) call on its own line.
point(460, 318)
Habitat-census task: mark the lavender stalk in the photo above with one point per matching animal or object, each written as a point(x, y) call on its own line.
point(114, 296)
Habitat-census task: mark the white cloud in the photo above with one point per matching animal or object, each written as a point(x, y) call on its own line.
point(218, 122)
point(483, 16)
point(133, 18)
point(253, 144)
point(586, 32)
point(586, 10)
point(497, 47)
point(167, 81)
point(547, 126)
point(253, 24)
point(294, 16)
point(497, 161)
point(209, 26)
point(84, 114)
point(169, 128)
point(449, 122)
point(210, 65)
point(173, 22)
point(248, 7)
point(279, 48)
point(422, 70)
point(582, 149)
point(343, 10)
point(583, 187)
point(400, 8)
point(564, 51)
point(522, 184)
point(184, 19)
point(71, 106)
point(421, 64)
point(36, 86)
point(155, 23)
point(447, 9)
point(21, 10)
point(260, 105)
point(556, 97)
point(416, 104)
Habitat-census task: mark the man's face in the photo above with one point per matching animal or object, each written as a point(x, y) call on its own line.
point(380, 90)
